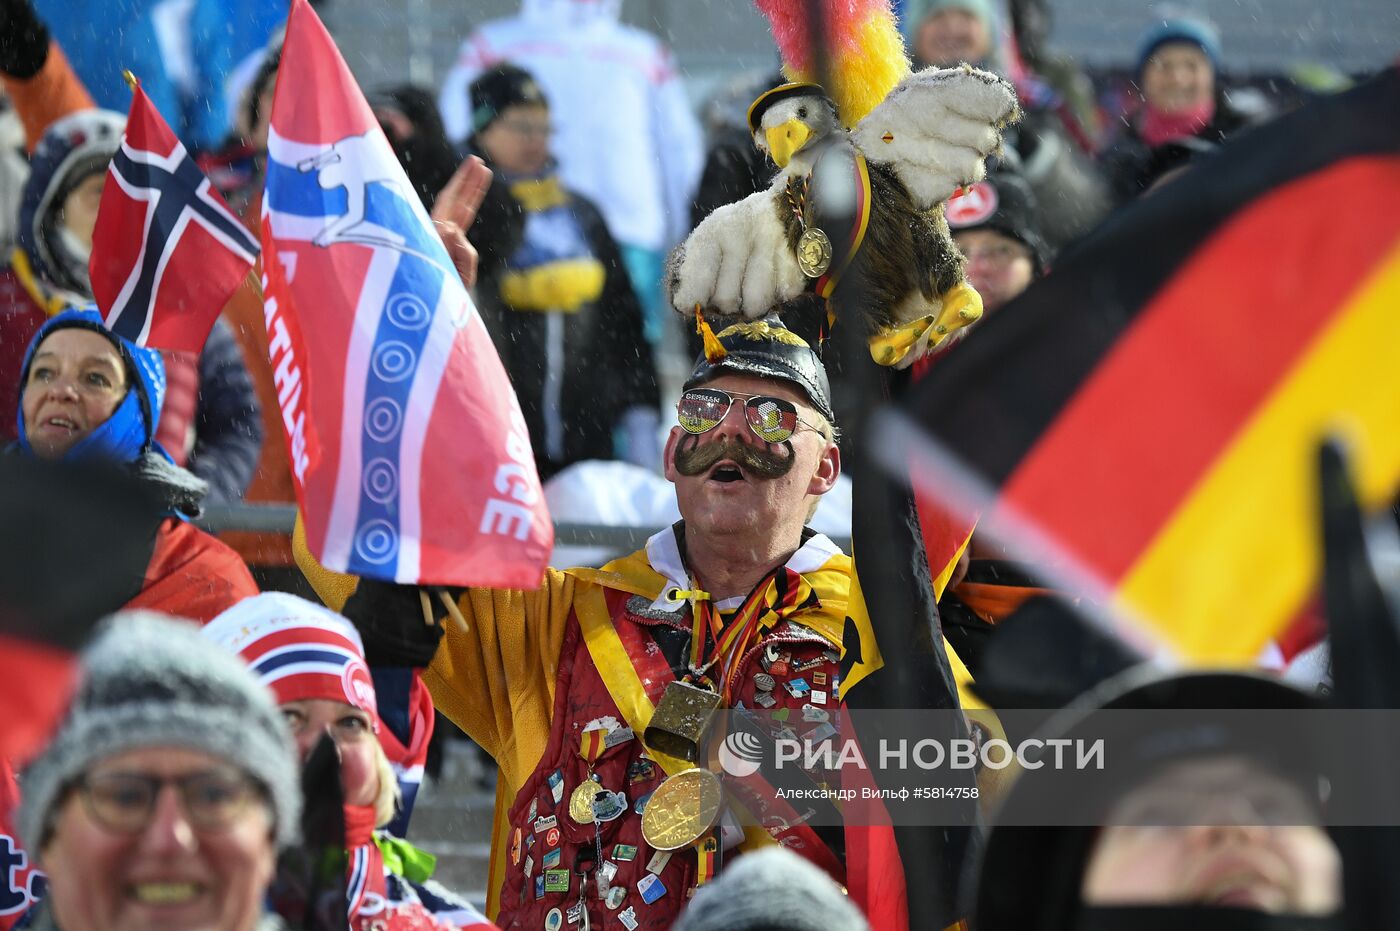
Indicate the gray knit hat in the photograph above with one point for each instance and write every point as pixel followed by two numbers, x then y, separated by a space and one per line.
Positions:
pixel 772 890
pixel 149 681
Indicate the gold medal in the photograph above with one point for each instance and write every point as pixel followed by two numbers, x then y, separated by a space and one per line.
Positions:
pixel 581 801
pixel 682 809
pixel 813 252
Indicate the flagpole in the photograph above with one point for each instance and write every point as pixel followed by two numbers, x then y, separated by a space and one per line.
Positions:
pixel 903 614
pixel 1364 635
pixel 130 79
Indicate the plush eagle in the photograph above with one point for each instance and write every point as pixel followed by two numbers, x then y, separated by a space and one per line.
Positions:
pixel 864 204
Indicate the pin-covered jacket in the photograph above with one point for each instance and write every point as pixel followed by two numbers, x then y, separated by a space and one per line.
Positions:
pixel 559 686
pixel 533 675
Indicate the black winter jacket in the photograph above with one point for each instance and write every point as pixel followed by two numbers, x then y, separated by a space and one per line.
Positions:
pixel 575 373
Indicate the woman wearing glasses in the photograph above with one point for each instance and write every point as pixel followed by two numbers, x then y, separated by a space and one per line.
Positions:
pixel 163 799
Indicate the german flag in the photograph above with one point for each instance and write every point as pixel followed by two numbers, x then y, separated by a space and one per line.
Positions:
pixel 1153 407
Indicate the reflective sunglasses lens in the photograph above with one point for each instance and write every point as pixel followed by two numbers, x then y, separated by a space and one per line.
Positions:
pixel 699 411
pixel 772 419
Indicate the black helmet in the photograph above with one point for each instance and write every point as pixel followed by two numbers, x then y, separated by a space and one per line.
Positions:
pixel 768 349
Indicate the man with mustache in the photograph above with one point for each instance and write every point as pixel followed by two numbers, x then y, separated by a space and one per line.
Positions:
pixel 593 692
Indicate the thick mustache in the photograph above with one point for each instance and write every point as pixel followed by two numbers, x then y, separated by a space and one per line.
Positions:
pixel 696 458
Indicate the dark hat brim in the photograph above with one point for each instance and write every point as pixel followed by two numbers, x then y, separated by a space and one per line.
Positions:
pixel 768 350
pixel 706 371
pixel 781 92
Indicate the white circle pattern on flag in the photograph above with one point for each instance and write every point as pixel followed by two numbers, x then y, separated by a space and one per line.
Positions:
pixel 377 542
pixel 394 361
pixel 383 419
pixel 407 311
pixel 381 480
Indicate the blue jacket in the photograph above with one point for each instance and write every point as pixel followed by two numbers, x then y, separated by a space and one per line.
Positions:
pixel 182 61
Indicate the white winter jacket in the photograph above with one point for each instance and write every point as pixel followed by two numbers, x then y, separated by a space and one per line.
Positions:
pixel 626 137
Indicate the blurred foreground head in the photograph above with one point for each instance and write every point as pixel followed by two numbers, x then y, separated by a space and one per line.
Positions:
pixel 163 798
pixel 1199 826
pixel 772 890
pixel 59 516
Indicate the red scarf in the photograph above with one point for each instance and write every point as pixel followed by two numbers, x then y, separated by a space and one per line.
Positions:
pixel 359 825
pixel 1157 127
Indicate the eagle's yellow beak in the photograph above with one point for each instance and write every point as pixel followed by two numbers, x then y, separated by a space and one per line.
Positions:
pixel 787 140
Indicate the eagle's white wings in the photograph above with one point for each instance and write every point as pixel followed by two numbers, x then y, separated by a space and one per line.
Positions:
pixel 737 260
pixel 936 128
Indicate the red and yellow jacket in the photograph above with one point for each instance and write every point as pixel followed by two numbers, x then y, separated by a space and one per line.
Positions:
pixel 530 671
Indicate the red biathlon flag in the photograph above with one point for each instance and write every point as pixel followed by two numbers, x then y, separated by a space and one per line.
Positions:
pixel 165 286
pixel 410 454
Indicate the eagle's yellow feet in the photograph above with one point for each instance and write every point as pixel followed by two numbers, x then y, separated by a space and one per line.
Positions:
pixel 898 346
pixel 962 305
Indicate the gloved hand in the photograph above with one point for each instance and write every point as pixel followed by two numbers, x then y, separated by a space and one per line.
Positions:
pixel 24 39
pixel 392 624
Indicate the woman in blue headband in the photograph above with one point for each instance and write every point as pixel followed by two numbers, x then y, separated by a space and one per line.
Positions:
pixel 86 393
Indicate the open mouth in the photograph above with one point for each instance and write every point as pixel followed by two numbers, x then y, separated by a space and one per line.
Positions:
pixel 62 423
pixel 726 472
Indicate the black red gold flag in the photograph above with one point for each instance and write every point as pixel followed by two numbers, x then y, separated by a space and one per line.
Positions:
pixel 1148 414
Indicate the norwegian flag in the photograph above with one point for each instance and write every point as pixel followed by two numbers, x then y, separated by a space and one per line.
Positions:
pixel 165 286
pixel 411 458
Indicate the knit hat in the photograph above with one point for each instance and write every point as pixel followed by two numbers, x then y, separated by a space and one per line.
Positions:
pixel 298 649
pixel 916 11
pixel 1002 202
pixel 1197 32
pixel 501 87
pixel 771 890
pixel 150 681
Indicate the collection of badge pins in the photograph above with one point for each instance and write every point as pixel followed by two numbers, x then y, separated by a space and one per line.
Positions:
pixel 592 803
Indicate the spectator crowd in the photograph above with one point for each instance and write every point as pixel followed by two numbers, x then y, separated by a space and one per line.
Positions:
pixel 250 730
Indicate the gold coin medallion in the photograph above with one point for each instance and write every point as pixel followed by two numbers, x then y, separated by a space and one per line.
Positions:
pixel 682 809
pixel 813 253
pixel 581 801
